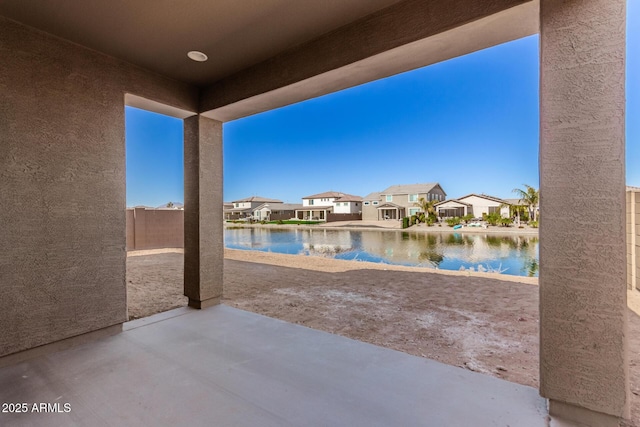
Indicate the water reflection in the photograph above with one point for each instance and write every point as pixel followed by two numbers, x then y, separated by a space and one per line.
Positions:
pixel 509 254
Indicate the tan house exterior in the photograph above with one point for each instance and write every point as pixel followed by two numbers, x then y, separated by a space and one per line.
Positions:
pixel 473 204
pixel 398 201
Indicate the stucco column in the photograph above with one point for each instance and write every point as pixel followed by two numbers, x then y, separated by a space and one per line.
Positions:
pixel 583 324
pixel 203 233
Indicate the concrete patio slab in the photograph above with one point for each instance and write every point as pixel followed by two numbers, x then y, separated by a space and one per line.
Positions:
pixel 227 367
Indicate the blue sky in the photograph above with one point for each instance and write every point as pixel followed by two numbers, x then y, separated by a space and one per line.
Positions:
pixel 470 123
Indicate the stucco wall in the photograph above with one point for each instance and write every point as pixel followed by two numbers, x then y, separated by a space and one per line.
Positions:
pixel 480 206
pixel 131 236
pixel 62 182
pixel 583 313
pixel 369 212
pixel 155 228
pixel 332 217
pixel 633 239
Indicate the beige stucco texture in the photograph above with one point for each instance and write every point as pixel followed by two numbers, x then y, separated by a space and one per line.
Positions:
pixel 633 238
pixel 204 240
pixel 582 256
pixel 62 175
pixel 155 228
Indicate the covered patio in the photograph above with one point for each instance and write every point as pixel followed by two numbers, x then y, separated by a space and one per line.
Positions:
pixel 315 213
pixel 453 208
pixel 227 367
pixel 65 79
pixel 390 211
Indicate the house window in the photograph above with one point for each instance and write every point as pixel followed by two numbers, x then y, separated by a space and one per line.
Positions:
pixel 413 211
pixel 365 203
pixel 413 197
pixel 237 205
pixel 311 202
pixel 389 198
pixel 494 209
pixel 375 203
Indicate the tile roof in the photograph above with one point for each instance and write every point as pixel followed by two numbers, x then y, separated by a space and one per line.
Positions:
pixel 515 202
pixel 483 196
pixel 334 194
pixel 349 198
pixel 280 206
pixel 390 205
pixel 372 196
pixel 410 188
pixel 451 200
pixel 257 199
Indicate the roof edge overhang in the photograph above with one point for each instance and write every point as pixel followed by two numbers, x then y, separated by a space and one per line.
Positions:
pixel 265 87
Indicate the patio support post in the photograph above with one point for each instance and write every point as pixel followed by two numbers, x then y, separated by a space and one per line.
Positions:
pixel 203 229
pixel 583 314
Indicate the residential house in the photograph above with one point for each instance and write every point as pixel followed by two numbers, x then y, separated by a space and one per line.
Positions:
pixel 520 203
pixel 472 204
pixel 399 201
pixel 243 208
pixel 275 211
pixel 319 206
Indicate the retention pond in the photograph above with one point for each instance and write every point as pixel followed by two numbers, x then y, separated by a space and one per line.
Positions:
pixel 507 254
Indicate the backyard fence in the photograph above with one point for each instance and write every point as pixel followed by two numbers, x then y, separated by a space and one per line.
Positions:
pixel 333 217
pixel 154 228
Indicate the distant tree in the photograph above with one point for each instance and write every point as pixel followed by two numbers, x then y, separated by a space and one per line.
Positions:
pixel 531 197
pixel 170 205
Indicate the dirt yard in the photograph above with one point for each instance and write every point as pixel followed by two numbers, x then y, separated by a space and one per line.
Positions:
pixel 479 323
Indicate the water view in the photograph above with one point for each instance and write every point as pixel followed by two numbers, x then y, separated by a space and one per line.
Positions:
pixel 506 254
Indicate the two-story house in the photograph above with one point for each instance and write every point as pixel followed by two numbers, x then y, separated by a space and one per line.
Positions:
pixel 318 206
pixel 243 208
pixel 399 201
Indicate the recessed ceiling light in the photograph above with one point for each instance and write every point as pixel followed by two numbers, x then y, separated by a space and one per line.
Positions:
pixel 197 56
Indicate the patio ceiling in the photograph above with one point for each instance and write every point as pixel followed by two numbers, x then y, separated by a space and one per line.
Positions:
pixel 157 35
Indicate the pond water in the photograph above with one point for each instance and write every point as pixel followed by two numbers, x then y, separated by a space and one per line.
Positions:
pixel 507 254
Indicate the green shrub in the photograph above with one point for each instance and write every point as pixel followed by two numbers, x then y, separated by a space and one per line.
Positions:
pixel 451 222
pixel 405 222
pixel 505 222
pixel 533 224
pixel 493 218
pixel 467 217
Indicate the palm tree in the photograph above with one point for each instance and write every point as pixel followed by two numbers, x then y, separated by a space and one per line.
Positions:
pixel 530 196
pixel 426 206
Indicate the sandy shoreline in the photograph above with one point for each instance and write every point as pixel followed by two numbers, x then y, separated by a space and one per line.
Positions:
pixel 477 321
pixel 391 226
